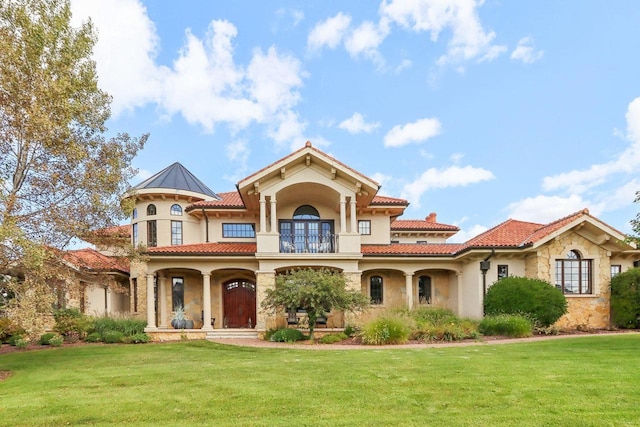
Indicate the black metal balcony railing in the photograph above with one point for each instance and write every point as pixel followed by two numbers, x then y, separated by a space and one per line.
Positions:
pixel 314 244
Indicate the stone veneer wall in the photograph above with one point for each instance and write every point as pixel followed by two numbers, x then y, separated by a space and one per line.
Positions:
pixel 584 311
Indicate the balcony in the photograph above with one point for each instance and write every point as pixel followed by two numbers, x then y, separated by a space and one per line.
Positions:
pixel 308 243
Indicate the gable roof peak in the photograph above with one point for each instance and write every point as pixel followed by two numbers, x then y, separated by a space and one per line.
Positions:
pixel 176 177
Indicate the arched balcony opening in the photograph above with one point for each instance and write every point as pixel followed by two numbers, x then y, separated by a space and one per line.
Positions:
pixel 306 232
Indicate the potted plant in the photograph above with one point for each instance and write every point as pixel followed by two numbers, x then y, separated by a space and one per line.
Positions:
pixel 179 321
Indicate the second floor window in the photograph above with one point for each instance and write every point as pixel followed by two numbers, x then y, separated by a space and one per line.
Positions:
pixel 176 232
pixel 134 234
pixel 152 234
pixel 176 210
pixel 364 227
pixel 151 210
pixel 238 230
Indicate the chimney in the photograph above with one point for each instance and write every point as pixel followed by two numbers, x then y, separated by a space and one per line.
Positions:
pixel 431 217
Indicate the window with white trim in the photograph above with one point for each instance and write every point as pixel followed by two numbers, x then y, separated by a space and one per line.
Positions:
pixel 364 227
pixel 238 230
pixel 176 232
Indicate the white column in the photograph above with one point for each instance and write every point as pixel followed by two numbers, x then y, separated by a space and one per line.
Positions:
pixel 206 301
pixel 343 214
pixel 354 226
pixel 274 216
pixel 151 310
pixel 263 215
pixel 162 303
pixel 409 289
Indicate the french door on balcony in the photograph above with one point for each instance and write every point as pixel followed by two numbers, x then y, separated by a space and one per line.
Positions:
pixel 307 233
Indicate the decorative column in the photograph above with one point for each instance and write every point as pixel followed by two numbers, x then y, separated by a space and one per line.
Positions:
pixel 206 302
pixel 263 214
pixel 408 277
pixel 354 224
pixel 264 280
pixel 151 310
pixel 162 303
pixel 274 216
pixel 343 214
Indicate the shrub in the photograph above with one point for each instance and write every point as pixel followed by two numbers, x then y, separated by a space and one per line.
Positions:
pixel 13 338
pixel 21 343
pixel 44 338
pixel 386 330
pixel 9 329
pixel 113 337
pixel 127 326
pixel 287 335
pixel 625 299
pixel 536 298
pixel 56 340
pixel 71 324
pixel 93 337
pixel 350 331
pixel 434 316
pixel 140 338
pixel 333 338
pixel 506 324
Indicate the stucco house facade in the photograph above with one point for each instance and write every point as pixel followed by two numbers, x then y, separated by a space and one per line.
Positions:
pixel 216 253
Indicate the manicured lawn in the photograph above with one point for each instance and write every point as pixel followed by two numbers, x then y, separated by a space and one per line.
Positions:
pixel 592 381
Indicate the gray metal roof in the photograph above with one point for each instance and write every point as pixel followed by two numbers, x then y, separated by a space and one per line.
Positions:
pixel 176 177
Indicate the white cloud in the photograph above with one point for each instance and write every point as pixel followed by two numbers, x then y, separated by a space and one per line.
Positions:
pixel 406 63
pixel 125 51
pixel 469 39
pixel 418 131
pixel 525 51
pixel 543 209
pixel 141 176
pixel 453 176
pixel 204 84
pixel 381 178
pixel 364 41
pixel 628 162
pixel 329 33
pixel 467 233
pixel 357 124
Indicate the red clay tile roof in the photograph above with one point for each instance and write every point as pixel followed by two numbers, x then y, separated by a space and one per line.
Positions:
pixel 205 249
pixel 412 249
pixel 519 233
pixel 385 200
pixel 90 259
pixel 228 200
pixel 421 224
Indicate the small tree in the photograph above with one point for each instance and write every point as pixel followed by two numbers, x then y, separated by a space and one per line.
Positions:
pixel 521 295
pixel 625 299
pixel 315 291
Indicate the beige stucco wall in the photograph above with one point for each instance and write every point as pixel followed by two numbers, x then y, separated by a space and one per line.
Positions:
pixel 191 227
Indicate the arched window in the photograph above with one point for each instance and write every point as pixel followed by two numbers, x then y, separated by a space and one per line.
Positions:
pixel 151 209
pixel 376 290
pixel 306 212
pixel 176 210
pixel 573 274
pixel 306 232
pixel 424 290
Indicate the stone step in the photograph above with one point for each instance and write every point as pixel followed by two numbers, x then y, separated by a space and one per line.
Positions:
pixel 218 334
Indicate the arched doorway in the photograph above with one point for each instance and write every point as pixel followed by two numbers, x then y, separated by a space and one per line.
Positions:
pixel 239 304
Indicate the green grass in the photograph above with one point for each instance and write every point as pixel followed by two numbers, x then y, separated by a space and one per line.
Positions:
pixel 589 381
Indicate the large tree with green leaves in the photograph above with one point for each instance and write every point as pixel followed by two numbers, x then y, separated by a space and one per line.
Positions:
pixel 60 176
pixel 635 223
pixel 316 291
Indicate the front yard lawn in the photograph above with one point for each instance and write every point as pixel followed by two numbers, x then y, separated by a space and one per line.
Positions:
pixel 590 381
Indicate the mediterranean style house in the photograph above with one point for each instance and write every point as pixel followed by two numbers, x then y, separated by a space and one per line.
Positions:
pixel 215 253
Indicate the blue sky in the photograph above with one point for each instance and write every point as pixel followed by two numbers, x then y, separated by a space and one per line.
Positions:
pixel 478 111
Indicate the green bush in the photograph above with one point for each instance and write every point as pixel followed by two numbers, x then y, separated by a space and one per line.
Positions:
pixel 625 299
pixel 56 341
pixel 434 316
pixel 93 337
pixel 113 337
pixel 21 343
pixel 386 330
pixel 509 325
pixel 287 335
pixel 333 338
pixel 540 300
pixel 9 329
pixel 350 331
pixel 127 326
pixel 13 338
pixel 71 324
pixel 140 338
pixel 44 338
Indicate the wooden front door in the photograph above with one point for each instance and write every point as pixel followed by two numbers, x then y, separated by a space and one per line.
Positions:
pixel 239 304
